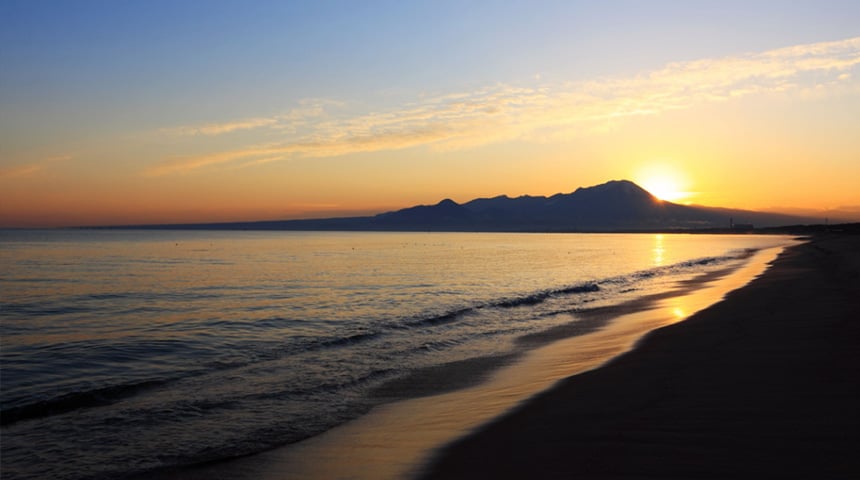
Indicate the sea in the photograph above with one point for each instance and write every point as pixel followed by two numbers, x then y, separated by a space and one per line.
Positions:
pixel 131 351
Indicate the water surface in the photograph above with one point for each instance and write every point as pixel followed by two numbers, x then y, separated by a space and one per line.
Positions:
pixel 125 351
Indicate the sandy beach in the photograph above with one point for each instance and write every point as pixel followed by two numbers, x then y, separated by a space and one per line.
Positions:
pixel 761 385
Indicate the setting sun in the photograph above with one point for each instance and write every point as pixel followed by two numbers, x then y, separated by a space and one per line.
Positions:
pixel 664 189
pixel 664 183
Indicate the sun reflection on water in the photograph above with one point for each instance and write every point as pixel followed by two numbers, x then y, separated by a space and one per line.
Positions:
pixel 658 250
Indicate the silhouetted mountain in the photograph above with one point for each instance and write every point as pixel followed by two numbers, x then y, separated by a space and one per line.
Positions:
pixel 618 205
pixel 446 213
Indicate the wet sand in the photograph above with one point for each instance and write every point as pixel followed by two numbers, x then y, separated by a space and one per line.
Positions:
pixel 395 440
pixel 765 384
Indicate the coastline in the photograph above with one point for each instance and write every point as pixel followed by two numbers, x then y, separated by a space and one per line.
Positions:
pixel 394 440
pixel 760 385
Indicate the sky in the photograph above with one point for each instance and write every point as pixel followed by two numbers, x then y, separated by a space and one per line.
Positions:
pixel 121 112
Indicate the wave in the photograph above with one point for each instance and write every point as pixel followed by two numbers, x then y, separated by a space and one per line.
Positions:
pixel 540 297
pixel 39 309
pixel 443 318
pixel 100 303
pixel 531 299
pixel 74 401
pixel 350 340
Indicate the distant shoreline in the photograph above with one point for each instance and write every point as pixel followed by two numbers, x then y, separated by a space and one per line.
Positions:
pixel 811 229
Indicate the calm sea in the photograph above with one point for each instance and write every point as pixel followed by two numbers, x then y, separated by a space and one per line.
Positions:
pixel 127 351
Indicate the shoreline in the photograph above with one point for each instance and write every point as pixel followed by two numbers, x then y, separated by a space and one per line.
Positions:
pixel 395 439
pixel 762 384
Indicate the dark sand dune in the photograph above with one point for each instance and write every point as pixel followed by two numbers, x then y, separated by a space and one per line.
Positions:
pixel 765 384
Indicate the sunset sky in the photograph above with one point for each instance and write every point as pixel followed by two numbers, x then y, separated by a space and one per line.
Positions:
pixel 184 111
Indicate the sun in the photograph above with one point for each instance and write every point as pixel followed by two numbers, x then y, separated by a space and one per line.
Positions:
pixel 663 188
pixel 663 183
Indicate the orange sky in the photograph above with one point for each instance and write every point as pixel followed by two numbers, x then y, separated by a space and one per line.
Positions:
pixel 769 126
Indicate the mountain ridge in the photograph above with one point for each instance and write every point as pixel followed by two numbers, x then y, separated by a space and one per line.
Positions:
pixel 617 205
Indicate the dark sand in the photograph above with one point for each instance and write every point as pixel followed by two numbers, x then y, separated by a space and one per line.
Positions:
pixel 765 384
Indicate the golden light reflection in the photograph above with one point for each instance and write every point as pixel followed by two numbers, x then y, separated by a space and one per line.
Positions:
pixel 659 250
pixel 680 307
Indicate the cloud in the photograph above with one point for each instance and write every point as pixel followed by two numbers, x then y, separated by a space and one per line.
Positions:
pixel 21 171
pixel 185 164
pixel 538 111
pixel 309 108
pixel 30 169
pixel 227 127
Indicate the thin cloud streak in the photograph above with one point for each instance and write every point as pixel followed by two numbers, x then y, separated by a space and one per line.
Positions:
pixel 222 128
pixel 308 109
pixel 21 171
pixel 27 170
pixel 505 112
pixel 185 164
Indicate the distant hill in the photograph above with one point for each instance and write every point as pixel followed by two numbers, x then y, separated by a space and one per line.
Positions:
pixel 618 205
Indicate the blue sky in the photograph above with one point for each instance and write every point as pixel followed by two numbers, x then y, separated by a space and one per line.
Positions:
pixel 206 54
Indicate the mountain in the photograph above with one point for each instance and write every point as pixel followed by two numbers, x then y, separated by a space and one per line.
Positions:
pixel 618 205
pixel 446 213
pixel 613 205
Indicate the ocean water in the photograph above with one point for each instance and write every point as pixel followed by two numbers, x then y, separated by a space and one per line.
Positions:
pixel 129 351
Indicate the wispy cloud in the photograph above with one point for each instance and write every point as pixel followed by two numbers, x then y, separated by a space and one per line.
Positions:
pixel 26 170
pixel 185 164
pixel 308 109
pixel 225 127
pixel 20 171
pixel 502 111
